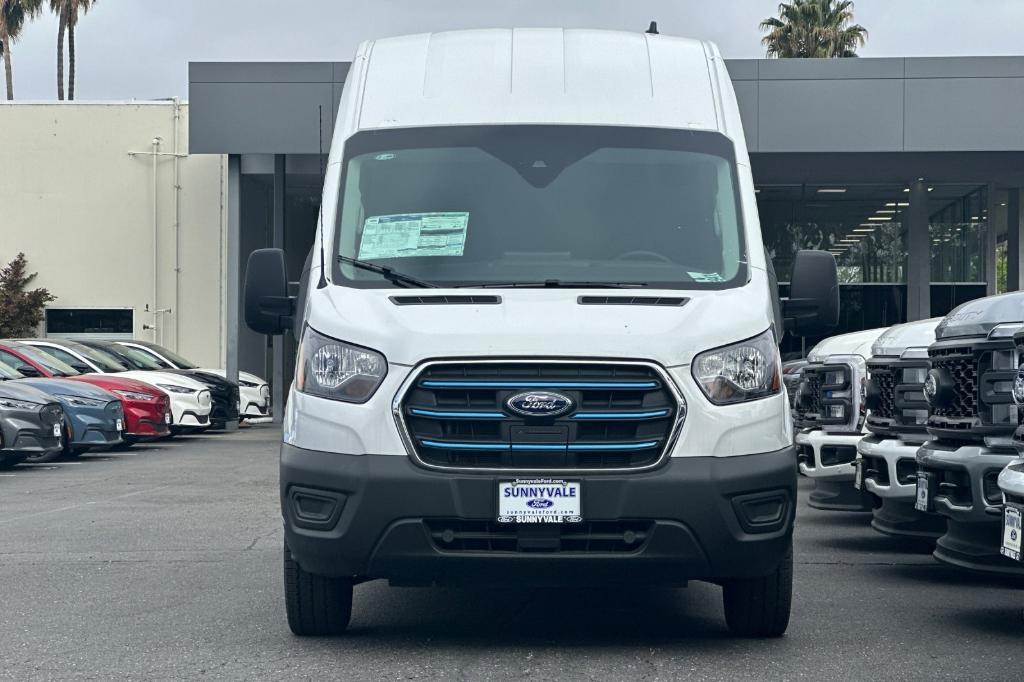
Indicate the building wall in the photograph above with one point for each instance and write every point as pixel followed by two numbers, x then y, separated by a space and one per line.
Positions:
pixel 81 207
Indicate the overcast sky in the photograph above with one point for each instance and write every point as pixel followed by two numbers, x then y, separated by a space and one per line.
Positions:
pixel 138 49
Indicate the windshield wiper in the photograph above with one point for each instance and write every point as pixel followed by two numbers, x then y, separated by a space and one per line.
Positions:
pixel 553 284
pixel 388 273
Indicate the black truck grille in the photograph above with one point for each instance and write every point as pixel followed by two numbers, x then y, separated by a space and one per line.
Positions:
pixel 980 376
pixel 896 401
pixel 622 415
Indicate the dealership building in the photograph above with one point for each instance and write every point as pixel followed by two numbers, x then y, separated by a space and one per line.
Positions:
pixel 909 169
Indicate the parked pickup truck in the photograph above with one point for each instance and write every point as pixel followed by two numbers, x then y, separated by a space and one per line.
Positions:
pixel 829 413
pixel 971 421
pixel 896 420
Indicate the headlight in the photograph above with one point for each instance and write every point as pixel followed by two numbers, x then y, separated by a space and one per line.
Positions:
pixel 247 384
pixel 12 404
pixel 173 388
pixel 336 370
pixel 133 395
pixel 744 371
pixel 84 402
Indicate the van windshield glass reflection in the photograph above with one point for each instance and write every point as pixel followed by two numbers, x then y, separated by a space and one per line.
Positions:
pixel 507 205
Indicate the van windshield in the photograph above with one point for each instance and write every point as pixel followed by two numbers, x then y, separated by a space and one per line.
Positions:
pixel 540 205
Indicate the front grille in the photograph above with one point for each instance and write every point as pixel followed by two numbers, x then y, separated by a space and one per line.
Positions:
pixel 980 376
pixel 896 393
pixel 623 415
pixel 596 537
pixel 114 410
pixel 51 414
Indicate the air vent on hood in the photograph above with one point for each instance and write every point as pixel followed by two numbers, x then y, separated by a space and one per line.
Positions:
pixel 632 300
pixel 446 300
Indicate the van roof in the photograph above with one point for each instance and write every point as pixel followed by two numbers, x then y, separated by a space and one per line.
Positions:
pixel 544 76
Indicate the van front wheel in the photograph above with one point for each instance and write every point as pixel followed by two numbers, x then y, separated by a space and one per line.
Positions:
pixel 759 607
pixel 316 605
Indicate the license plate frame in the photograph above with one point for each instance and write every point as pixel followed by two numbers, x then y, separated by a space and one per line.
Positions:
pixel 57 431
pixel 546 500
pixel 119 425
pixel 1011 546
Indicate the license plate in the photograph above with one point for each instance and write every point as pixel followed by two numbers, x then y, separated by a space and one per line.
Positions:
pixel 858 476
pixel 167 418
pixel 120 425
pixel 539 500
pixel 1011 532
pixel 921 502
pixel 56 430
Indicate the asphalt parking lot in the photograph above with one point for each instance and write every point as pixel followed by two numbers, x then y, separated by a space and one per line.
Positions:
pixel 164 561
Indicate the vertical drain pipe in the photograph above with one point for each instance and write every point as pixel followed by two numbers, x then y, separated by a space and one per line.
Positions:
pixel 156 308
pixel 177 226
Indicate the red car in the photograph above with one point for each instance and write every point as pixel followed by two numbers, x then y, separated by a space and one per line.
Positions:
pixel 147 410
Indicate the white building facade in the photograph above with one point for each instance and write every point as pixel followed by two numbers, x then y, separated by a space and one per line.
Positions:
pixel 122 225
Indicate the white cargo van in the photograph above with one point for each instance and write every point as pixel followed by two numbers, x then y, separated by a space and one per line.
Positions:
pixel 538 331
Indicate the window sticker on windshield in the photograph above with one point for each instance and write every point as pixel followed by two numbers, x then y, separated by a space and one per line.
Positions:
pixel 413 234
pixel 705 276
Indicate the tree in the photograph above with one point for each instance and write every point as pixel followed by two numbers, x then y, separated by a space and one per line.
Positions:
pixel 13 15
pixel 21 311
pixel 813 28
pixel 68 12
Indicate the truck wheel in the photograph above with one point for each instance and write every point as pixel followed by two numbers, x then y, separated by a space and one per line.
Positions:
pixel 759 607
pixel 316 605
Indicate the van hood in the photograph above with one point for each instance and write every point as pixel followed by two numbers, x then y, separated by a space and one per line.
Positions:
pixel 854 343
pixel 541 322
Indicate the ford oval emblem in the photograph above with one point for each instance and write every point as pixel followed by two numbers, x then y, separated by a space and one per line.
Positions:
pixel 539 404
pixel 540 503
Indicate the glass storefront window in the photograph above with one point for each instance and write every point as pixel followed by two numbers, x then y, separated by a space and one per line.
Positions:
pixel 861 224
pixel 958 229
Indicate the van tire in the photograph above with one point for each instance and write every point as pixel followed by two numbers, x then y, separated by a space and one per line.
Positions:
pixel 759 607
pixel 317 606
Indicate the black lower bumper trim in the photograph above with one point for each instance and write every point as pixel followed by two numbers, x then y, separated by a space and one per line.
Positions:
pixel 700 518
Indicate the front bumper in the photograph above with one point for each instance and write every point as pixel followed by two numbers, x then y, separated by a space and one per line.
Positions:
pixel 22 432
pixel 382 516
pixel 95 426
pixel 959 477
pixel 827 456
pixel 895 462
pixel 191 409
pixel 254 401
pixel 889 468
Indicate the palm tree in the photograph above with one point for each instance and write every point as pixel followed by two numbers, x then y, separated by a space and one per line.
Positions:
pixel 813 28
pixel 13 15
pixel 67 12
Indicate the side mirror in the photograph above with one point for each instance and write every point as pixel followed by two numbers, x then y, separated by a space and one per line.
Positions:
pixel 813 304
pixel 268 308
pixel 27 370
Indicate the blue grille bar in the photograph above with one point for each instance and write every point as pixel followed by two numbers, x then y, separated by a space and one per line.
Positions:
pixel 653 414
pixel 574 447
pixel 456 415
pixel 434 383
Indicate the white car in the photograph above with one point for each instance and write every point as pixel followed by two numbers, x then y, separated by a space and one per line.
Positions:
pixel 253 392
pixel 190 400
pixel 829 410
